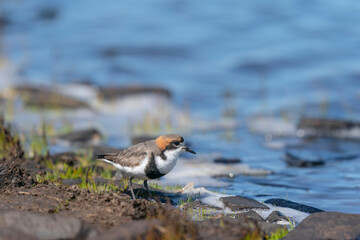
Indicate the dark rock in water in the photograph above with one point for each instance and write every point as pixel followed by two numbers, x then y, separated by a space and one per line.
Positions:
pixel 120 69
pixel 238 203
pixel 87 136
pixel 276 216
pixel 249 214
pixel 4 20
pixel 69 158
pixel 111 93
pixel 46 226
pixel 48 13
pixel 295 161
pixel 227 160
pixel 141 138
pixel 327 225
pixel 146 51
pixel 289 204
pixel 326 124
pixel 325 127
pixel 134 230
pixel 45 98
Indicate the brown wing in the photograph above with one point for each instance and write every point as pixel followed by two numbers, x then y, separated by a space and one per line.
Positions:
pixel 130 157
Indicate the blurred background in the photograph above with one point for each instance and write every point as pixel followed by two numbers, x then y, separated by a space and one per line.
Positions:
pixel 272 84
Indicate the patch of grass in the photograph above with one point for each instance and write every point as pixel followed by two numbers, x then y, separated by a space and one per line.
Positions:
pixel 36 142
pixel 187 200
pixel 48 177
pixel 173 188
pixel 169 188
pixel 204 213
pixel 85 157
pixel 280 233
pixel 60 171
pixel 64 171
pixel 255 235
pixel 106 173
pixel 9 142
pixel 98 188
pixel 292 223
pixel 155 185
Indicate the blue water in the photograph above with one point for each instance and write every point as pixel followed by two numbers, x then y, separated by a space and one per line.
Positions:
pixel 278 58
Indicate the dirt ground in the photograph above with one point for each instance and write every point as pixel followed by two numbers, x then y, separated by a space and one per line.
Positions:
pixel 103 209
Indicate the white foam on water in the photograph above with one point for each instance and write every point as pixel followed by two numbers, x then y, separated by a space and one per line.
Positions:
pixel 352 133
pixel 202 171
pixel 213 199
pixel 206 196
pixel 292 214
pixel 276 145
pixel 79 91
pixel 272 125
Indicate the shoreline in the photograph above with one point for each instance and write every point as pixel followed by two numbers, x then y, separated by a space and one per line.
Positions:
pixel 30 192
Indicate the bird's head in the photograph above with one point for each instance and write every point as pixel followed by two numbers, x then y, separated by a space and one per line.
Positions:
pixel 172 142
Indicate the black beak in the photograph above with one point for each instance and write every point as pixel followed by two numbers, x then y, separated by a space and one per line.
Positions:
pixel 189 150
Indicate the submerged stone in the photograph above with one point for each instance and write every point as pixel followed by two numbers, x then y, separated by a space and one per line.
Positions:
pixel 113 92
pixel 249 214
pixel 318 127
pixel 279 202
pixel 227 160
pixel 296 161
pixel 276 216
pixel 326 125
pixel 47 98
pixel 236 203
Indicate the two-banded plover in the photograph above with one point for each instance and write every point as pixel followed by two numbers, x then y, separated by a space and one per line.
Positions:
pixel 148 160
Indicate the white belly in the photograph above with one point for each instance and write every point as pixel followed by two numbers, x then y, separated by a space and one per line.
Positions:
pixel 136 172
pixel 165 166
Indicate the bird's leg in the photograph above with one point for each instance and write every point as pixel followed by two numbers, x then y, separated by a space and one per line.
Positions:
pixel 147 187
pixel 131 189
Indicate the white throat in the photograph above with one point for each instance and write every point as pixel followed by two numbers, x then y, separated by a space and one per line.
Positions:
pixel 165 166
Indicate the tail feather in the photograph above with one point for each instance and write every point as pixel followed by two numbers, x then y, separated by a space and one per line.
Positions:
pixel 105 155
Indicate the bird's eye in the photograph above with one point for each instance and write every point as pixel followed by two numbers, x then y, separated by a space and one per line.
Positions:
pixel 176 143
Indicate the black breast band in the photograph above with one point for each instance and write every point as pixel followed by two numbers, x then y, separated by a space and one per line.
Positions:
pixel 151 170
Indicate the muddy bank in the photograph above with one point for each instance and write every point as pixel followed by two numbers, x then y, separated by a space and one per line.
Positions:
pixel 35 210
pixel 108 212
pixel 105 209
